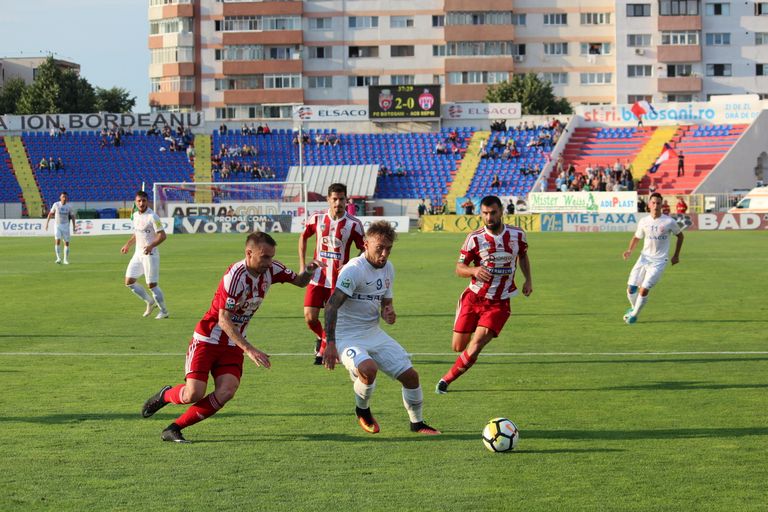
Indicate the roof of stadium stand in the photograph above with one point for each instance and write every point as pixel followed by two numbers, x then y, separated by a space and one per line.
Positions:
pixel 359 179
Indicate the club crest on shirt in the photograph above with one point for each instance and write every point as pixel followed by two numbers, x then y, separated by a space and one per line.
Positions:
pixel 229 305
pixel 331 241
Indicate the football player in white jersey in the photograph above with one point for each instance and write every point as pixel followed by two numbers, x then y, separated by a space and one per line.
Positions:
pixel 655 231
pixel 363 292
pixel 63 213
pixel 148 233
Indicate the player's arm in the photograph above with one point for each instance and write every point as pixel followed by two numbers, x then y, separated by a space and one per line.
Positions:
pixel 388 311
pixel 525 268
pixel 302 252
pixel 124 249
pixel 73 217
pixel 302 279
pixel 679 245
pixel 160 237
pixel 229 327
pixel 48 219
pixel 632 245
pixel 330 356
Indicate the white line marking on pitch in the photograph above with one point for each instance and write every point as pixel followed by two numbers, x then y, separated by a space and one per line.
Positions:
pixel 445 354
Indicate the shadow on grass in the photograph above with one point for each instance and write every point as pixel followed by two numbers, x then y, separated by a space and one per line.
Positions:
pixel 518 360
pixel 166 415
pixel 656 386
pixel 662 433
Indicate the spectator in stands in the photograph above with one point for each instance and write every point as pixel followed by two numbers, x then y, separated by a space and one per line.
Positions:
pixel 469 207
pixel 495 182
pixel 681 207
pixel 642 207
pixel 266 130
pixel 422 208
pixel 680 164
pixel 191 153
pixel 453 136
pixel 617 167
pixel 333 139
pixel 43 165
pixel 320 139
pixel 59 164
pixel 51 163
pixel 440 148
pixel 511 207
pixel 652 187
pixel 665 208
pixel 400 169
pixel 483 144
pixel 222 129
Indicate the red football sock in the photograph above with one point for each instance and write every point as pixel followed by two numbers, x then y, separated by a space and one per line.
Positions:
pixel 204 408
pixel 317 328
pixel 463 363
pixel 173 395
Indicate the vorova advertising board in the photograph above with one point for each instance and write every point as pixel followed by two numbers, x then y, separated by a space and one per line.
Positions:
pixel 233 224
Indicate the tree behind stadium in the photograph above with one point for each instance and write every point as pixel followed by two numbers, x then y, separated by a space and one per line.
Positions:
pixel 534 95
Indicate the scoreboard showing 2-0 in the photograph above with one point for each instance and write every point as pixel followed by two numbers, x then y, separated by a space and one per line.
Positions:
pixel 403 101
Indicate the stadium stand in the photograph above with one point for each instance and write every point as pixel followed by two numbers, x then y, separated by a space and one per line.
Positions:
pixel 10 191
pixel 94 173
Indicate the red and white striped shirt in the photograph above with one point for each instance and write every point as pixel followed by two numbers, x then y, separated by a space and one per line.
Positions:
pixel 498 254
pixel 241 294
pixel 333 245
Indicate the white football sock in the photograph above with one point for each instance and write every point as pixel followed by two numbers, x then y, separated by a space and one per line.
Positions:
pixel 157 293
pixel 140 291
pixel 639 303
pixel 412 400
pixel 632 296
pixel 58 253
pixel 363 393
pixel 66 252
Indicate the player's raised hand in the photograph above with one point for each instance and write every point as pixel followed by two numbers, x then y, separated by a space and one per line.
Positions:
pixel 388 314
pixel 258 357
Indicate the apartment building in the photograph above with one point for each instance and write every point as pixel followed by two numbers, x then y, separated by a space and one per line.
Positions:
pixel 244 59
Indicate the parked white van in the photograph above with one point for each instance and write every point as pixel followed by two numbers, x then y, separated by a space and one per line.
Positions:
pixel 756 201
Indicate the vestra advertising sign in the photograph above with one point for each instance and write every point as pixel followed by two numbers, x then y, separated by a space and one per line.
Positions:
pixel 83 227
pixel 487 111
pixel 330 113
pixel 582 202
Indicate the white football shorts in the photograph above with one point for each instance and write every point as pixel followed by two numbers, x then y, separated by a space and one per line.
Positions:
pixel 646 272
pixel 390 357
pixel 62 232
pixel 146 265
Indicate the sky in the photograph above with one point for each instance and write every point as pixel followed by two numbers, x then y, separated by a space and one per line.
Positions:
pixel 108 38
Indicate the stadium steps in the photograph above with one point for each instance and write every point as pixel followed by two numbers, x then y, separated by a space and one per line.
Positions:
pixel 466 171
pixel 651 151
pixel 30 190
pixel 203 173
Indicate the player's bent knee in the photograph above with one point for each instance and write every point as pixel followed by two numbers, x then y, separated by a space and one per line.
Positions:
pixel 409 378
pixel 129 281
pixel 367 371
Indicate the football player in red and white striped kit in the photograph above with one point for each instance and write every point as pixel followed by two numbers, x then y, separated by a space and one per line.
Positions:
pixel 335 231
pixel 219 340
pixel 489 256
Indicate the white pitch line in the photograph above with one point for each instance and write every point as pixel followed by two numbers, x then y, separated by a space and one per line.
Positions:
pixel 442 354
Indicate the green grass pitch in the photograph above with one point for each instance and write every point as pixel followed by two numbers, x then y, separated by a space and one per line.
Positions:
pixel 667 414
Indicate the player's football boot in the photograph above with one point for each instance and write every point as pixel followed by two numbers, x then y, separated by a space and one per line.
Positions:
pixel 442 387
pixel 65 262
pixel 630 319
pixel 154 403
pixel 366 420
pixel 318 355
pixel 422 428
pixel 58 261
pixel 173 434
pixel 150 307
pixel 162 314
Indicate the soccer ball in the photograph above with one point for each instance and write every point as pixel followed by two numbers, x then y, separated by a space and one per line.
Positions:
pixel 500 435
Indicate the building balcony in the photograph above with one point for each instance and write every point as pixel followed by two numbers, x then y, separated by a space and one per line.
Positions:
pixel 267 37
pixel 679 23
pixel 680 84
pixel 293 8
pixel 172 98
pixel 479 33
pixel 260 67
pixel 479 5
pixel 678 53
pixel 262 96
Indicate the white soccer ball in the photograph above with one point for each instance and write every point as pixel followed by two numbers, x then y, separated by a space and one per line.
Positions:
pixel 500 435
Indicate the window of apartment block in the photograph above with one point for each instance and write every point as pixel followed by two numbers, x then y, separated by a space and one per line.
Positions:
pixel 718 38
pixel 320 82
pixel 401 51
pixel 479 18
pixel 595 78
pixel 320 52
pixel 761 70
pixel 595 48
pixel 258 23
pixel 595 18
pixel 690 37
pixel 282 52
pixel 555 48
pixel 363 81
pixel 679 7
pixel 400 21
pixel 638 10
pixel 273 111
pixel 638 40
pixel 240 52
pixel 402 80
pixel 717 9
pixel 286 81
pixel 555 78
pixel 761 8
pixel 761 37
pixel 170 26
pixel 438 20
pixel 674 70
pixel 225 112
pixel 171 55
pixel 482 48
pixel 239 83
pixel 632 98
pixel 438 79
pixel 718 70
pixel 639 70
pixel 680 98
pixel 519 19
pixel 556 18
pixel 477 77
pixel 438 50
pixel 363 51
pixel 320 23
pixel 363 21
pixel 519 49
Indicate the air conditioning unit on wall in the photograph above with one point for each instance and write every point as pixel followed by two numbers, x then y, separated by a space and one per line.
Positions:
pixel 639 51
pixel 519 58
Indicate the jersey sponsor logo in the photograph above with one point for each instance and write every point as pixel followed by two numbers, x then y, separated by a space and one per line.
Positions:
pixel 500 271
pixel 500 258
pixel 332 241
pixel 346 283
pixel 362 296
pixel 330 255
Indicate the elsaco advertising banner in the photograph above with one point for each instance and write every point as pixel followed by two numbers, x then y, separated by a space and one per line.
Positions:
pixel 468 223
